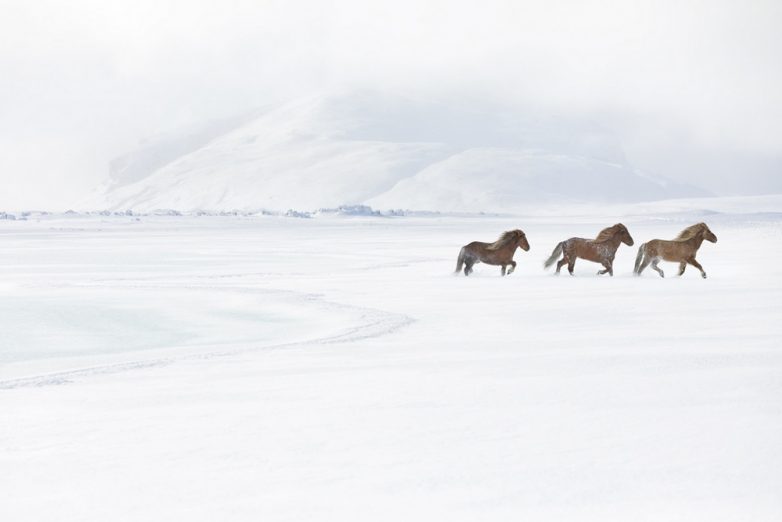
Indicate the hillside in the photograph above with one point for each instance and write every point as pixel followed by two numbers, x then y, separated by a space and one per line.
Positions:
pixel 388 152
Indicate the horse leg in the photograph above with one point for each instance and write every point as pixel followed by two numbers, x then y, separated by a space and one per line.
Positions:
pixel 468 266
pixel 682 266
pixel 657 268
pixel 697 265
pixel 607 270
pixel 644 264
pixel 561 263
pixel 512 267
pixel 571 264
pixel 503 270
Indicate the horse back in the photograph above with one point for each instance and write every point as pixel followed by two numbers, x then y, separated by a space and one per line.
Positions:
pixel 480 251
pixel 587 249
pixel 669 250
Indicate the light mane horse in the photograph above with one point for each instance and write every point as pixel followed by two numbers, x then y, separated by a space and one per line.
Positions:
pixel 601 250
pixel 499 253
pixel 681 249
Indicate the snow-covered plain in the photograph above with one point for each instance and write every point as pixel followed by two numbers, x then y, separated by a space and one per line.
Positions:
pixel 270 368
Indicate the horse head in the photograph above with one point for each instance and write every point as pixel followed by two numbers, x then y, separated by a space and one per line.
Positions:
pixel 521 240
pixel 624 234
pixel 708 235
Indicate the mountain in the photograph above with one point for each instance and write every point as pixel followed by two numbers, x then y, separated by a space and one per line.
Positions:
pixel 388 152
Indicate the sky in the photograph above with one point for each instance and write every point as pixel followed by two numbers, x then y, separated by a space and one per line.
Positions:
pixel 692 89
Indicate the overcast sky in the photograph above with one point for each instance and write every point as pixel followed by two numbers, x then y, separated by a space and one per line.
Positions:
pixel 693 89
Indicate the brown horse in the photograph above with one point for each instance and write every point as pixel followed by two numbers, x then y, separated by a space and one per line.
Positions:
pixel 600 250
pixel 498 253
pixel 680 250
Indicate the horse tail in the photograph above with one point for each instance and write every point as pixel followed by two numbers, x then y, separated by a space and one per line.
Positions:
pixel 459 261
pixel 554 255
pixel 639 258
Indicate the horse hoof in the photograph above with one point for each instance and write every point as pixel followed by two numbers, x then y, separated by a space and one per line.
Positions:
pixel 703 275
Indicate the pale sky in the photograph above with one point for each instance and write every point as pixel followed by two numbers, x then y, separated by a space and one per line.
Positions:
pixel 693 89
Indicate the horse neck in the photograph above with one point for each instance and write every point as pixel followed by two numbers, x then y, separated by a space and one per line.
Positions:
pixel 510 247
pixel 613 242
pixel 696 240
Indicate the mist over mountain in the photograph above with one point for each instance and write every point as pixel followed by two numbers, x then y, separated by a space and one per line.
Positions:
pixel 385 151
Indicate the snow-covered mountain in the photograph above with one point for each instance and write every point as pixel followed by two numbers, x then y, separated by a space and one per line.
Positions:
pixel 388 152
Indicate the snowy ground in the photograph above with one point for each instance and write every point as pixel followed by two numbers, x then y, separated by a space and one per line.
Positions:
pixel 267 368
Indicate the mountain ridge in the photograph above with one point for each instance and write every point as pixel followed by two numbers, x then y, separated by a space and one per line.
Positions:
pixel 388 152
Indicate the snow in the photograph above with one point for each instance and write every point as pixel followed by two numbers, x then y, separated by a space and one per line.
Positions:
pixel 272 368
pixel 384 151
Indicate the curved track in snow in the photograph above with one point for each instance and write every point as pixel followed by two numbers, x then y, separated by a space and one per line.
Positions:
pixel 362 323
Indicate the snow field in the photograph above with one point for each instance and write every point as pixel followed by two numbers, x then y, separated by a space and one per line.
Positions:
pixel 335 369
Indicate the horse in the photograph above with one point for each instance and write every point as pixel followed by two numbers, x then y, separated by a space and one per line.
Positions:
pixel 681 249
pixel 600 250
pixel 498 253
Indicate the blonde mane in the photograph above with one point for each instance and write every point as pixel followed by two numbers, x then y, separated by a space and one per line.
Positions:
pixel 608 233
pixel 506 237
pixel 690 232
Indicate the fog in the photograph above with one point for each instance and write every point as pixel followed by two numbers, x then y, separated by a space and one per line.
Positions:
pixel 692 89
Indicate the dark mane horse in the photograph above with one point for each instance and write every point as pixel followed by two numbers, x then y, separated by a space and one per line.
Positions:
pixel 601 250
pixel 681 249
pixel 499 253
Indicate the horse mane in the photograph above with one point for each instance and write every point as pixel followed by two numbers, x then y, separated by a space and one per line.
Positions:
pixel 690 232
pixel 506 237
pixel 608 233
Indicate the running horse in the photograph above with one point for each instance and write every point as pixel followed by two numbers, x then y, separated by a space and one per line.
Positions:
pixel 601 250
pixel 499 253
pixel 681 249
